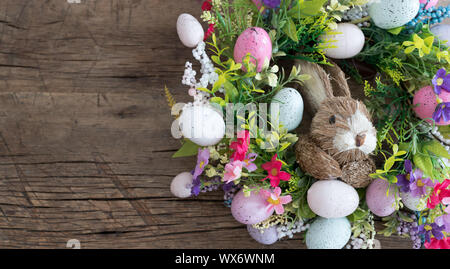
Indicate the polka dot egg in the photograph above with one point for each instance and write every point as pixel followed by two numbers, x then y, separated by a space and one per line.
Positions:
pixel 290 104
pixel 251 209
pixel 377 199
pixel 388 14
pixel 411 202
pixel 255 41
pixel 266 236
pixel 328 233
pixel 425 103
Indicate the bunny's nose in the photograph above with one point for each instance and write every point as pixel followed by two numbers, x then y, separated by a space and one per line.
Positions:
pixel 360 138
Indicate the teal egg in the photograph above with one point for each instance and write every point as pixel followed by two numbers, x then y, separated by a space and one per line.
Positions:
pixel 328 233
pixel 389 14
pixel 291 107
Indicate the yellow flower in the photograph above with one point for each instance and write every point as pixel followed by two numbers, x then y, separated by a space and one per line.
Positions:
pixel 443 54
pixel 422 45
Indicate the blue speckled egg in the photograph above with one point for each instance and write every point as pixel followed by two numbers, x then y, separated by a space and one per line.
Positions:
pixel 291 107
pixel 388 14
pixel 442 31
pixel 266 236
pixel 328 233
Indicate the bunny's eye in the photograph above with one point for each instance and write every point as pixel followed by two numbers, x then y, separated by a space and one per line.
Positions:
pixel 332 119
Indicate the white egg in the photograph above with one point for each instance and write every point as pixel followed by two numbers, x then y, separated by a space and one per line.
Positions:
pixel 181 185
pixel 189 30
pixel 389 14
pixel 328 233
pixel 332 198
pixel 202 125
pixel 411 202
pixel 442 31
pixel 346 43
pixel 290 104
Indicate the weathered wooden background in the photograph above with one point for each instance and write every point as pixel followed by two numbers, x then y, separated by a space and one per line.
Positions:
pixel 85 144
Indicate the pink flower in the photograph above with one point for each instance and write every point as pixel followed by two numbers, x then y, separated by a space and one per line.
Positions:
pixel 431 3
pixel 248 162
pixel 240 146
pixel 206 6
pixel 438 244
pixel 210 31
pixel 275 200
pixel 233 171
pixel 273 168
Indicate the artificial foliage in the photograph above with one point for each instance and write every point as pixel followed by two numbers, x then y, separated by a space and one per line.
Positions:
pixel 411 152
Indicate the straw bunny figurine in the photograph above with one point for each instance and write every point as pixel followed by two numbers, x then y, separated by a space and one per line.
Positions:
pixel 342 135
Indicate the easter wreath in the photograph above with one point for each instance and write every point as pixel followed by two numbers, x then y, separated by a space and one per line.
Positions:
pixel 384 157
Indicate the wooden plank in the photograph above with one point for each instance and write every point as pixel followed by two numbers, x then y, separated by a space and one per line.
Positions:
pixel 85 144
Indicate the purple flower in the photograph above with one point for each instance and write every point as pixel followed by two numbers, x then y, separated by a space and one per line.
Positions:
pixel 441 81
pixel 418 186
pixel 403 179
pixel 248 162
pixel 271 3
pixel 442 112
pixel 202 161
pixel 444 220
pixel 431 229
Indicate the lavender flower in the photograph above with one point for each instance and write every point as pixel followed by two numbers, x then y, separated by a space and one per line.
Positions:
pixel 431 229
pixel 441 81
pixel 442 112
pixel 271 3
pixel 403 179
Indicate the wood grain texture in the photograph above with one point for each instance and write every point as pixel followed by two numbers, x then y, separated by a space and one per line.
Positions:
pixel 85 144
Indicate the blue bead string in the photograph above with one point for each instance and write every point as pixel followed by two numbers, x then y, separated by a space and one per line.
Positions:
pixel 431 16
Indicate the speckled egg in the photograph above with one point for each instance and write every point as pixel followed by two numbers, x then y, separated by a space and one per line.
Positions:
pixel 255 41
pixel 411 202
pixel 290 104
pixel 425 103
pixel 202 125
pixel 328 233
pixel 266 236
pixel 251 209
pixel 181 185
pixel 442 31
pixel 189 30
pixel 388 14
pixel 332 198
pixel 377 201
pixel 347 43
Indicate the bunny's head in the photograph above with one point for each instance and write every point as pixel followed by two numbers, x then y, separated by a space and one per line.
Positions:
pixel 343 128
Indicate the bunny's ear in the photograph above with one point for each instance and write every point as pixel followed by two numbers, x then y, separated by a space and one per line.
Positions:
pixel 338 80
pixel 316 89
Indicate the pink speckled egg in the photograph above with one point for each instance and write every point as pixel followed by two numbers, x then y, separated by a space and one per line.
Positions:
pixel 378 202
pixel 255 41
pixel 251 209
pixel 425 99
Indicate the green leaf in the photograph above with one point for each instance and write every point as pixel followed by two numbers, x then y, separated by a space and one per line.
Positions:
pixel 220 81
pixel 310 8
pixel 189 148
pixel 396 31
pixel 445 131
pixel 290 30
pixel 305 211
pixel 230 91
pixel 436 148
pixel 424 163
